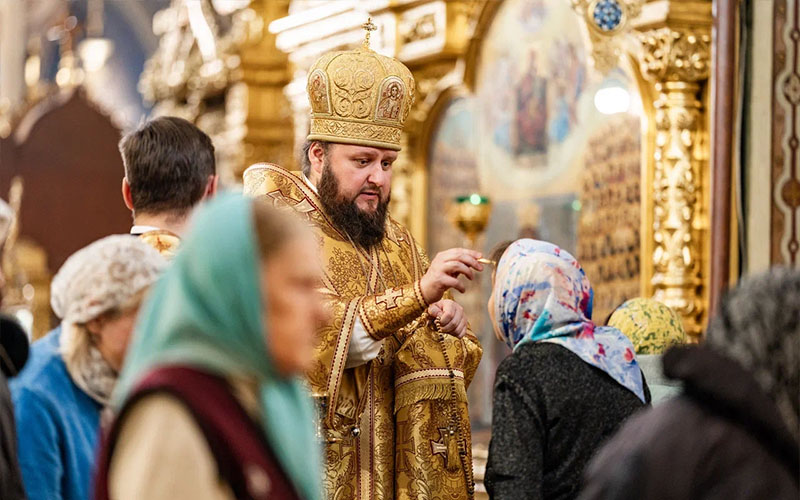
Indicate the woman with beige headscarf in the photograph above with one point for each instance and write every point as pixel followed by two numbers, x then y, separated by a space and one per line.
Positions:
pixel 68 379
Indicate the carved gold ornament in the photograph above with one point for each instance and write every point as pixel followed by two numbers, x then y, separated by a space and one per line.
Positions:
pixel 359 97
pixel 676 55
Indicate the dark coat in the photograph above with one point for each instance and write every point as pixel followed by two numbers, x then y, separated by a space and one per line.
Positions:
pixel 551 412
pixel 10 475
pixel 723 438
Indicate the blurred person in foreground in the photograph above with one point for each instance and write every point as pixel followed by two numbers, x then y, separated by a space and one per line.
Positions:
pixel 211 403
pixel 169 169
pixel 567 386
pixel 733 431
pixel 67 382
pixel 13 353
pixel 652 327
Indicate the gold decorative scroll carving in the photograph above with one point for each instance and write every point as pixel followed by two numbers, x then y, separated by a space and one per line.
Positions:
pixel 676 55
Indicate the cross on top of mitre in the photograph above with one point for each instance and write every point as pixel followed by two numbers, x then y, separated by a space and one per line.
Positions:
pixel 369 27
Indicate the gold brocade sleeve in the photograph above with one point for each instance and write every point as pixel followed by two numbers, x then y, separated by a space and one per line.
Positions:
pixel 473 354
pixel 384 314
pixel 381 315
pixel 333 339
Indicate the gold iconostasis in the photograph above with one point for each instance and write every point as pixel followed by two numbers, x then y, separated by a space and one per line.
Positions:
pixel 582 122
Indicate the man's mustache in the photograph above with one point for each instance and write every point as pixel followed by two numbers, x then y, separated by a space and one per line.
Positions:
pixel 371 190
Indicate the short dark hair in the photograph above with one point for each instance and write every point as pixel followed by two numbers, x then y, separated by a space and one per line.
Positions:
pixel 167 162
pixel 305 163
pixel 496 254
pixel 498 250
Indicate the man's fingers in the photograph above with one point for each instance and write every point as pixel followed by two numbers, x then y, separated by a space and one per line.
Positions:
pixel 447 317
pixel 454 268
pixel 468 257
pixel 462 327
pixel 471 262
pixel 458 331
pixel 434 310
pixel 449 327
pixel 451 282
pixel 456 328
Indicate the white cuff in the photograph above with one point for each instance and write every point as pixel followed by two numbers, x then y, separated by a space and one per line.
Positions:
pixel 363 348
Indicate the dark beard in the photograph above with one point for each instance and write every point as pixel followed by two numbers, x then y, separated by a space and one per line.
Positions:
pixel 366 229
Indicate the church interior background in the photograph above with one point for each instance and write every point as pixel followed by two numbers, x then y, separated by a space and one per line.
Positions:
pixel 657 140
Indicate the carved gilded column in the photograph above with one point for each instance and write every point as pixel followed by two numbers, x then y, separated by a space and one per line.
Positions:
pixel 676 61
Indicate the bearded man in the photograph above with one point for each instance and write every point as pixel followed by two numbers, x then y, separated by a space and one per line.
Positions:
pixel 393 365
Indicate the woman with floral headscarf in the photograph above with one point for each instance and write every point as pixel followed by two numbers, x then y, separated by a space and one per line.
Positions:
pixel 68 379
pixel 567 385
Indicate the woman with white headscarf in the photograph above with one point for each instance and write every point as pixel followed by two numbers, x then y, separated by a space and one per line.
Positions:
pixel 71 373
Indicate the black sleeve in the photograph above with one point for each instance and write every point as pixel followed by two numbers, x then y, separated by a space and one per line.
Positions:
pixel 514 468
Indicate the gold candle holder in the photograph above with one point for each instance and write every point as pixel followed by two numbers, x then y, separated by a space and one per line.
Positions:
pixel 470 214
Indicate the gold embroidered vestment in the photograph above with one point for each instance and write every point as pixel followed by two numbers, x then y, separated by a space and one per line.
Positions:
pixel 386 423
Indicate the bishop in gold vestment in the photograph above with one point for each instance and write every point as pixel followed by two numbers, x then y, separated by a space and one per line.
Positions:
pixel 396 426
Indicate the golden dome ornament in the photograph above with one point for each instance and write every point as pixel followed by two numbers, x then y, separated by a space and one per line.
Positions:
pixel 359 97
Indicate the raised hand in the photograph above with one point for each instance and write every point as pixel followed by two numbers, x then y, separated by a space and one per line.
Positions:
pixel 445 269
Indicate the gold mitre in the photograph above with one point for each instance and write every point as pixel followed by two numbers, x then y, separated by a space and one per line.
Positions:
pixel 359 97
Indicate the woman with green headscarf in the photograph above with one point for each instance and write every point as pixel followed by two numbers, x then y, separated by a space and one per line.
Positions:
pixel 210 401
pixel 653 328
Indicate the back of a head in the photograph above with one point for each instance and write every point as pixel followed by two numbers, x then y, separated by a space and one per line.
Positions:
pixel 758 326
pixel 275 227
pixel 168 162
pixel 13 346
pixel 651 326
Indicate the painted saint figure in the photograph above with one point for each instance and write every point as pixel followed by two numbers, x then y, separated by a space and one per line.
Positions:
pixel 391 98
